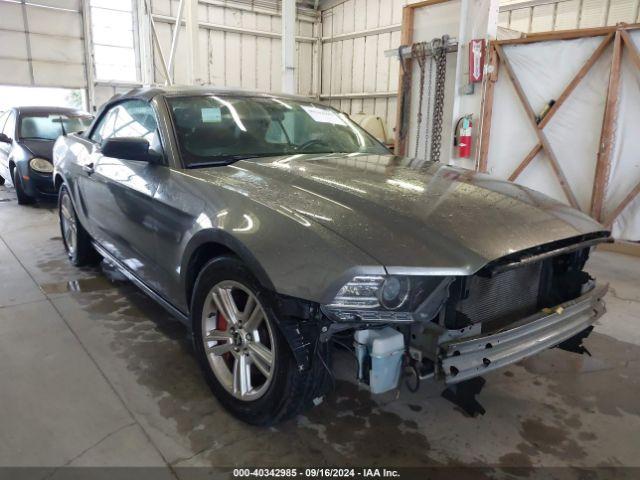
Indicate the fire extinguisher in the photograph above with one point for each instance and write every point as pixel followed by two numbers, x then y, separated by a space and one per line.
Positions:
pixel 462 138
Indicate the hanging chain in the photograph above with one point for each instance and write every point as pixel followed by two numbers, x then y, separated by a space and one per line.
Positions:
pixel 440 54
pixel 429 95
pixel 418 52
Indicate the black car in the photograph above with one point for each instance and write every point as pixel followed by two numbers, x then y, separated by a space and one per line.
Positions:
pixel 27 135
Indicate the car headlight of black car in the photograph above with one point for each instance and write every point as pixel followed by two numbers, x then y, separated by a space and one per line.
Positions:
pixel 41 165
pixel 392 298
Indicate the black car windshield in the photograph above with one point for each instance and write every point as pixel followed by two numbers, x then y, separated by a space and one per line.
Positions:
pixel 217 129
pixel 49 126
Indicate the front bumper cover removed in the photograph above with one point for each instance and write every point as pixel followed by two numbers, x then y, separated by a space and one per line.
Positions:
pixel 468 358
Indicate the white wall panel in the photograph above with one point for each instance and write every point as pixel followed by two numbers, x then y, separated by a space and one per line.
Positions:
pixel 232 58
pixel 47 44
pixel 355 71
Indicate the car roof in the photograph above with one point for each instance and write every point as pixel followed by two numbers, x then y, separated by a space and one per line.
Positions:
pixel 148 93
pixel 40 110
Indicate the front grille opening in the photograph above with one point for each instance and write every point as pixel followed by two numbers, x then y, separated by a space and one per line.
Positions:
pixel 510 295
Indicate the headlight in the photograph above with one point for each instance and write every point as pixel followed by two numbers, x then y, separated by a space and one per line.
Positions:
pixel 377 298
pixel 360 292
pixel 41 165
pixel 394 292
pixel 373 292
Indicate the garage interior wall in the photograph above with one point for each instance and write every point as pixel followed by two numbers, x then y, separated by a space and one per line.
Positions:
pixel 240 44
pixel 356 75
pixel 543 15
pixel 43 43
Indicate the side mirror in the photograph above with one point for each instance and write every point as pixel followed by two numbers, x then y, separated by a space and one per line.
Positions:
pixel 129 148
pixel 4 138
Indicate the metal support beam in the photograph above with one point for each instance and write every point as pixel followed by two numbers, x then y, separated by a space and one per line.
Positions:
pixel 174 41
pixel 88 55
pixel 156 40
pixel 193 42
pixel 289 46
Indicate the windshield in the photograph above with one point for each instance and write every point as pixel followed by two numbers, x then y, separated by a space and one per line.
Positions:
pixel 49 126
pixel 222 128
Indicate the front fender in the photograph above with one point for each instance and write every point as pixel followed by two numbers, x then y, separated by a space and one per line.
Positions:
pixel 221 237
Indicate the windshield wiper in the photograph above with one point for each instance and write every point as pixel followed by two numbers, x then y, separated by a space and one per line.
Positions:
pixel 228 159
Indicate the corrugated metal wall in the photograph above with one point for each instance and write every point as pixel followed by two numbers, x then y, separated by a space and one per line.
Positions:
pixel 356 76
pixel 239 44
pixel 42 43
pixel 544 15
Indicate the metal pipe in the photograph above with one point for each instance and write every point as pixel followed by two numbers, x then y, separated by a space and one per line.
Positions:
pixel 406 51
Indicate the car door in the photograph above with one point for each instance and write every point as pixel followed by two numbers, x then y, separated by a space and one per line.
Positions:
pixel 118 193
pixel 7 126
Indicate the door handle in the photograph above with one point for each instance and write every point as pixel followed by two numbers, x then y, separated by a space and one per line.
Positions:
pixel 88 168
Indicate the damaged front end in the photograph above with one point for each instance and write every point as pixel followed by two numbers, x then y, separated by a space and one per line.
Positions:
pixel 455 329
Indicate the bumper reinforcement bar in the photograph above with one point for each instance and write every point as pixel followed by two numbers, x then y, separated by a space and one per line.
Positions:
pixel 468 358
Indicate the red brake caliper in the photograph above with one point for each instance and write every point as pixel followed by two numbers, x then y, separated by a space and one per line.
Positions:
pixel 223 325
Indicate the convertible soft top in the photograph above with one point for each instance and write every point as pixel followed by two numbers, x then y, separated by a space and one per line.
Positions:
pixel 148 93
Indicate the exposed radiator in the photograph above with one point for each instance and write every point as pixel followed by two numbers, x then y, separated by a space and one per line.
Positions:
pixel 509 295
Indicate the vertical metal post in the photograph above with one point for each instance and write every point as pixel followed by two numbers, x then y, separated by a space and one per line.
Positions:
pixel 317 67
pixel 27 33
pixel 88 56
pixel 193 42
pixel 174 41
pixel 144 42
pixel 156 40
pixel 289 46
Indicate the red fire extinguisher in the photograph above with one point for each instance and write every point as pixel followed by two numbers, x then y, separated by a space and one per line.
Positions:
pixel 462 139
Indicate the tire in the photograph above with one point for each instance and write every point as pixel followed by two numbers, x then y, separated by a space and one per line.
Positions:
pixel 76 240
pixel 1 180
pixel 288 389
pixel 23 198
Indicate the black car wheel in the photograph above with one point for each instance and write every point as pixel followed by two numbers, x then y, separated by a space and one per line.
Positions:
pixel 23 198
pixel 245 358
pixel 77 241
pixel 1 180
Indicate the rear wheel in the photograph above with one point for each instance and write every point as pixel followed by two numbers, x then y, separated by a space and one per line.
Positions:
pixel 244 356
pixel 77 241
pixel 23 198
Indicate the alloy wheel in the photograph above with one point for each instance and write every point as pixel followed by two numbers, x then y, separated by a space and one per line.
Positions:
pixel 238 340
pixel 69 225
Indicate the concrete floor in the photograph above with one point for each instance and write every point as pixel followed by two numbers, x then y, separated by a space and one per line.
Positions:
pixel 93 373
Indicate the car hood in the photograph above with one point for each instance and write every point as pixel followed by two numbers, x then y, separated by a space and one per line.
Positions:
pixel 39 148
pixel 408 214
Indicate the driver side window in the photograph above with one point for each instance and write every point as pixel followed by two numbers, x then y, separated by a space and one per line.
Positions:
pixel 132 118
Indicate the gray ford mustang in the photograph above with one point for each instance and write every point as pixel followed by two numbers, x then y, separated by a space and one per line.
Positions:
pixel 277 229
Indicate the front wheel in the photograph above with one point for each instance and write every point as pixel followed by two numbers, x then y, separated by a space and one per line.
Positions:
pixel 77 241
pixel 23 198
pixel 245 358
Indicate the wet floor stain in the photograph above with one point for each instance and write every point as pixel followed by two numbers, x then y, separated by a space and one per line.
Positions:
pixel 92 284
